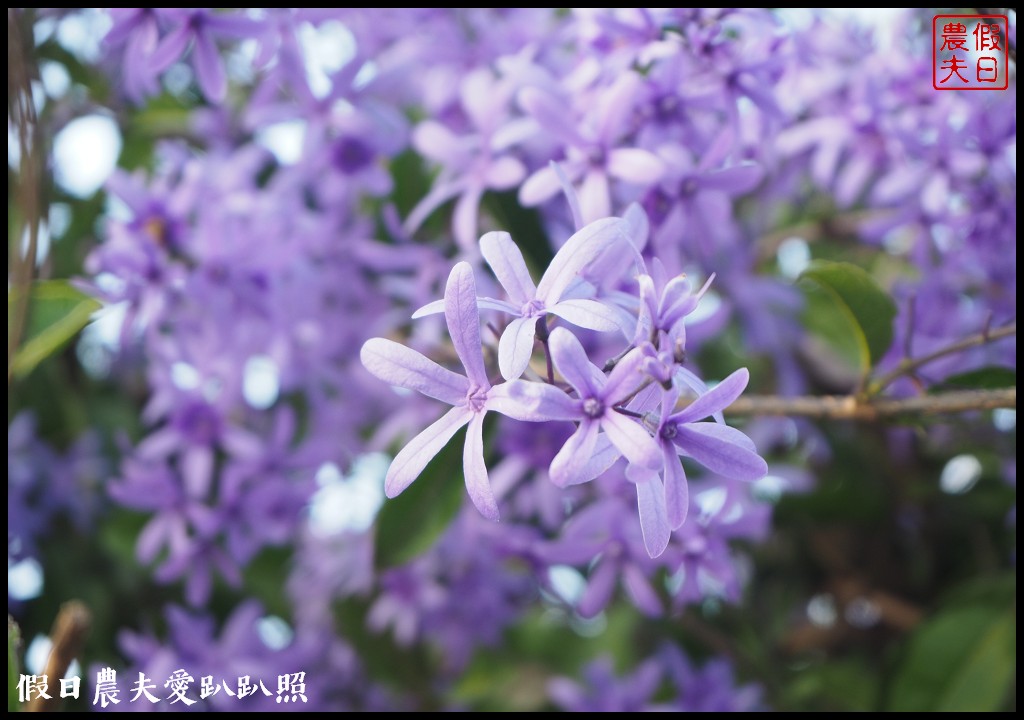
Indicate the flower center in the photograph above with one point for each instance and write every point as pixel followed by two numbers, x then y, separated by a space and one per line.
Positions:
pixel 532 309
pixel 667 108
pixel 475 398
pixel 593 408
pixel 670 431
pixel 596 157
pixel 350 155
pixel 696 546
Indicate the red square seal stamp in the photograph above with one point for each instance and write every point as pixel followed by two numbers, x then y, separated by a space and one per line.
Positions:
pixel 970 52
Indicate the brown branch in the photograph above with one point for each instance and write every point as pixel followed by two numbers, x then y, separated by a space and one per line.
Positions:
pixel 21 70
pixel 68 635
pixel 850 407
pixel 909 365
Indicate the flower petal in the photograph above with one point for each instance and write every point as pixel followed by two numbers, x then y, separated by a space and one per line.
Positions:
pixel 603 456
pixel 599 589
pixel 568 466
pixel 505 259
pixel 170 48
pixel 504 173
pixel 572 362
pixel 589 314
pixel 532 402
pixel 617 107
pixel 438 196
pixel 398 365
pixel 515 348
pixel 537 188
pixel 463 318
pixel 485 303
pixel 595 196
pixel 409 463
pixel 437 142
pixel 716 399
pixel 721 449
pixel 677 491
pixel 553 114
pixel 643 596
pixel 431 308
pixel 579 250
pixel 734 180
pixel 635 165
pixel 625 377
pixel 477 484
pixel 632 440
pixel 209 68
pixel 639 226
pixel 570 194
pixel 464 217
pixel 650 499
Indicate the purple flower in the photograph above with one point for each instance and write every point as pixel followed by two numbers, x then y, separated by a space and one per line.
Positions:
pixel 595 409
pixel 137 29
pixel 531 302
pixel 606 536
pixel 473 163
pixel 472 395
pixel 201 26
pixel 718 447
pixel 664 303
pixel 594 149
pixel 696 199
pixel 604 692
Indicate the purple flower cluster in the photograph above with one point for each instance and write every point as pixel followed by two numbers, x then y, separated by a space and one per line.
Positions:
pixel 710 688
pixel 45 486
pixel 612 411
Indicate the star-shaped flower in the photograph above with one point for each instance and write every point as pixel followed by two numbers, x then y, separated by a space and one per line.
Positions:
pixel 471 395
pixel 530 302
pixel 720 448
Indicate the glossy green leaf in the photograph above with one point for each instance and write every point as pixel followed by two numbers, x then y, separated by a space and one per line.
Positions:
pixel 411 523
pixel 869 309
pixel 833 334
pixel 963 659
pixel 57 312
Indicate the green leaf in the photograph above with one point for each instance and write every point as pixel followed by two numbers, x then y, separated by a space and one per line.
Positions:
pixel 13 642
pixel 987 378
pixel 869 308
pixel 57 311
pixel 833 333
pixel 962 659
pixel 410 524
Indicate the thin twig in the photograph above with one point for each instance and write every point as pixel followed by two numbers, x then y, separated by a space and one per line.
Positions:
pixel 908 366
pixel 850 407
pixel 543 335
pixel 68 636
pixel 21 70
pixel 628 413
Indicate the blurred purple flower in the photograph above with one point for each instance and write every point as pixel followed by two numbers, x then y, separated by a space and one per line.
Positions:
pixel 201 27
pixel 593 149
